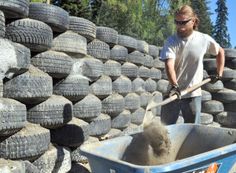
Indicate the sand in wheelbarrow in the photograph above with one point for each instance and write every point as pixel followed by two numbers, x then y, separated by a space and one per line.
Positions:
pixel 151 147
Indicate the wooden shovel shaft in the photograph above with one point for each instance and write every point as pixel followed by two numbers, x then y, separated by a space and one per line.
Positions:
pixel 182 93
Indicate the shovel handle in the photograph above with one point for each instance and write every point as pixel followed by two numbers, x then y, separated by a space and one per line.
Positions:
pixel 182 93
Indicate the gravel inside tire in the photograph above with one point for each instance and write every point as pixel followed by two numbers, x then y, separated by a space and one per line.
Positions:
pixel 31 87
pixel 71 43
pixel 122 85
pixel 72 134
pixel 83 27
pixel 212 107
pixel 144 72
pixel 112 68
pixel 89 107
pixel 28 143
pixel 12 116
pixel 99 49
pixel 138 85
pixel 100 125
pixel 56 17
pixel 10 166
pixel 132 101
pixel 108 35
pixel 225 95
pixel 52 113
pixel 15 8
pixel 30 168
pixel 56 64
pixel 130 70
pixel 129 42
pixel 34 34
pixel 122 120
pixel 119 53
pixel 2 24
pixel 227 119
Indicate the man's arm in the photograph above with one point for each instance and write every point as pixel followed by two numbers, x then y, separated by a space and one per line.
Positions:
pixel 170 70
pixel 220 61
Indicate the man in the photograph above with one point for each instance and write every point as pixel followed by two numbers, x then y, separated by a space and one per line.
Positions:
pixel 183 55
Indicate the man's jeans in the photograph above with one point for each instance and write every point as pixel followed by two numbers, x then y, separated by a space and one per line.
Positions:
pixel 190 108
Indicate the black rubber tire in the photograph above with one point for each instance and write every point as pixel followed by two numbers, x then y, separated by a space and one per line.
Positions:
pixel 153 51
pixel 132 101
pixel 34 34
pixel 150 85
pixel 100 126
pixel 129 42
pixel 56 17
pixel 102 87
pixel 72 134
pixel 138 85
pixel 230 84
pixel 148 61
pixel 155 73
pixel 143 72
pixel 71 43
pixel 56 64
pixel 30 142
pixel 144 99
pixel 2 24
pixel 89 107
pixel 231 63
pixel 225 96
pixel 206 96
pixel 137 116
pixel 122 85
pixel 163 86
pixel 228 74
pixel 15 8
pixel 99 49
pixel 206 118
pixel 227 119
pixel 230 106
pixel 209 64
pixel 130 70
pixel 212 107
pixel 108 35
pixel 230 53
pixel 136 57
pixel 119 53
pixel 52 113
pixel 212 88
pixel 31 87
pixel 83 27
pixel 158 64
pixel 73 87
pixel 112 68
pixel 142 46
pixel 1 88
pixel 12 116
pixel 113 105
pixel 122 120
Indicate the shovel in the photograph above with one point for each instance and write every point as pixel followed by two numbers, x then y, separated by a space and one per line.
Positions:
pixel 152 104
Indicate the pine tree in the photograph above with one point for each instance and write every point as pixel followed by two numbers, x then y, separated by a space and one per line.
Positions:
pixel 220 32
pixel 203 12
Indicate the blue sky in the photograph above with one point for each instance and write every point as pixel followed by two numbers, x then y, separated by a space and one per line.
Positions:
pixel 231 23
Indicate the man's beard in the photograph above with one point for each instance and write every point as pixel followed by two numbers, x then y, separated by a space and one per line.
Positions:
pixel 185 33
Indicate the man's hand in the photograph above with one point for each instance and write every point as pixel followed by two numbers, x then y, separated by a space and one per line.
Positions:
pixel 215 78
pixel 175 90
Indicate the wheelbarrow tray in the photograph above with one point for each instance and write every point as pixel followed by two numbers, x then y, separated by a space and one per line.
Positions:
pixel 195 148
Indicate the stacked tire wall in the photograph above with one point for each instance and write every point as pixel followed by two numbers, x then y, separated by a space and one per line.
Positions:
pixel 66 82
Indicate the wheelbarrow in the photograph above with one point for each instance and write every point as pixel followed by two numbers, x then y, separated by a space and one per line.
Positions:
pixel 194 147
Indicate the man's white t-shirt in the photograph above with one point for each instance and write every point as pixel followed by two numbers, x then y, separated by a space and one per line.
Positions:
pixel 188 54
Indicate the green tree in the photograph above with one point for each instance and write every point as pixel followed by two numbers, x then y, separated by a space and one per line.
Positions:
pixel 220 32
pixel 203 13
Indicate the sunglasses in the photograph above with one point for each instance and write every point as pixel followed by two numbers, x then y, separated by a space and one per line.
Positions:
pixel 182 22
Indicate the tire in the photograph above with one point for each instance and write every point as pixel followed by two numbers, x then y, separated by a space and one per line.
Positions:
pixel 164 74
pixel 130 70
pixel 87 108
pixel 102 87
pixel 129 42
pixel 136 57
pixel 112 69
pixel 153 51
pixel 138 85
pixel 156 97
pixel 148 61
pixel 100 125
pixel 113 105
pixel 142 46
pixel 206 118
pixel 212 107
pixel 225 96
pixel 28 143
pixel 1 88
pixel 212 88
pixel 230 106
pixel 158 64
pixel 209 64
pixel 15 8
pixel 137 116
pixel 52 113
pixel 12 115
pixel 144 99
pixel 35 35
pixel 227 119
pixel 55 159
pixel 2 24
pixel 150 85
pixel 119 53
pixel 71 43
pixel 99 49
pixel 31 87
pixel 72 134
pixel 122 85
pixel 230 84
pixel 121 121
pixel 230 53
pixel 56 17
pixel 231 63
pixel 144 72
pixel 73 87
pixel 206 96
pixel 163 86
pixel 108 35
pixel 83 27
pixel 228 74
pixel 132 101
pixel 56 64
